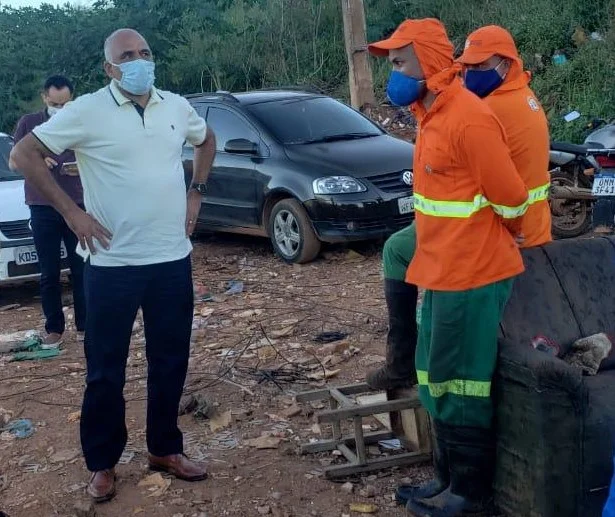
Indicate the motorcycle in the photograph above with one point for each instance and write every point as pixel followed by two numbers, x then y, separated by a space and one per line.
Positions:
pixel 574 170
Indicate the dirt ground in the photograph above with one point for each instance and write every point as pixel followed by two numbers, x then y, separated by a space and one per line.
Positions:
pixel 251 352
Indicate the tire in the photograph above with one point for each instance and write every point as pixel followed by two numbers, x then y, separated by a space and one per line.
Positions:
pixel 569 218
pixel 291 233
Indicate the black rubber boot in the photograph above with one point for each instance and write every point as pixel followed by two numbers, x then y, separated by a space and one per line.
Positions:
pixel 471 453
pixel 435 486
pixel 399 371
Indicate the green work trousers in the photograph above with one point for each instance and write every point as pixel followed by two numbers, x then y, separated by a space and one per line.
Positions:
pixel 457 353
pixel 398 252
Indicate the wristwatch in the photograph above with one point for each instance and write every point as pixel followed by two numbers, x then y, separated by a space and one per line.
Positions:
pixel 201 188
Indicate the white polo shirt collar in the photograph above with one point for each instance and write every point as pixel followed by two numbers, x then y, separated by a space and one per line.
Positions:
pixel 120 99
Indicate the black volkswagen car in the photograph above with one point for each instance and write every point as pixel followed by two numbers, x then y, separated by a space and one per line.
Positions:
pixel 301 168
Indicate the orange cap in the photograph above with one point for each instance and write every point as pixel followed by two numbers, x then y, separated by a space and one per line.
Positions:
pixel 429 40
pixel 487 42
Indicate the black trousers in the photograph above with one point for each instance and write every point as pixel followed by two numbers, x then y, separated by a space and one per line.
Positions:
pixel 49 229
pixel 113 296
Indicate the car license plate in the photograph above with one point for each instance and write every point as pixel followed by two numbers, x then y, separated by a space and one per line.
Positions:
pixel 604 185
pixel 406 205
pixel 28 255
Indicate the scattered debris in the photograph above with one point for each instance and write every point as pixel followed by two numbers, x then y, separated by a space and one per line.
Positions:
pixel 264 510
pixel 65 456
pixel 5 417
pixel 347 488
pixel 363 508
pixel 74 417
pixel 292 411
pixel 390 445
pixel 322 375
pixel 126 457
pixel 222 442
pixel 198 405
pixel 330 337
pixel 353 256
pixel 283 332
pixel 84 509
pixel 22 428
pixel 248 314
pixel 220 421
pixel 264 442
pixel 234 287
pixel 76 488
pixel 156 484
pixel 368 491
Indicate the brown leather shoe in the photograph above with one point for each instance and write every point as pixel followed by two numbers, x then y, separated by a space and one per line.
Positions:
pixel 101 487
pixel 179 466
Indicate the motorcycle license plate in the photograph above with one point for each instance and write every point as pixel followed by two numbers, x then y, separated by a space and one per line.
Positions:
pixel 604 185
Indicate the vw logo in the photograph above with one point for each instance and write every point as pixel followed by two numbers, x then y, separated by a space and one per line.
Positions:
pixel 407 177
pixel 30 224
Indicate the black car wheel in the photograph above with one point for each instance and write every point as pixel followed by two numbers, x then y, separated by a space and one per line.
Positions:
pixel 291 232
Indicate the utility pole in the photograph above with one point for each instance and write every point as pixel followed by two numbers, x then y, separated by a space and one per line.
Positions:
pixel 361 80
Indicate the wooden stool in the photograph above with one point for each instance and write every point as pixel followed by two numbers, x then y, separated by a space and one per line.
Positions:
pixel 398 410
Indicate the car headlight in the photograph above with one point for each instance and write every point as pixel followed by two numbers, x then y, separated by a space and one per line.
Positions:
pixel 338 185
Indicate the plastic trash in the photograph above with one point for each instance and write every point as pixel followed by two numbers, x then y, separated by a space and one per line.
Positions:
pixel 234 287
pixel 390 445
pixel 22 428
pixel 330 337
pixel 559 59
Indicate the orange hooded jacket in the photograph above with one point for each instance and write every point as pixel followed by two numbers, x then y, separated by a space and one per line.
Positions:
pixel 468 195
pixel 525 125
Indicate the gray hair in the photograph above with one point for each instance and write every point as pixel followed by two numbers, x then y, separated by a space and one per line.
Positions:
pixel 109 42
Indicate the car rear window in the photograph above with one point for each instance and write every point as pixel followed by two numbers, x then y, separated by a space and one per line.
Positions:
pixel 298 121
pixel 6 144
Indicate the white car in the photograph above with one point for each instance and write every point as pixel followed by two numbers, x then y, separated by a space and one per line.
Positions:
pixel 18 257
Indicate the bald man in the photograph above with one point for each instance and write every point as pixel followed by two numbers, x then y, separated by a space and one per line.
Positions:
pixel 134 237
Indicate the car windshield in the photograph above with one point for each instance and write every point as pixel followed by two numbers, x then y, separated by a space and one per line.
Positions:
pixel 6 174
pixel 312 119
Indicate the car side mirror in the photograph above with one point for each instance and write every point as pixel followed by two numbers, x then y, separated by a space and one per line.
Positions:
pixel 241 146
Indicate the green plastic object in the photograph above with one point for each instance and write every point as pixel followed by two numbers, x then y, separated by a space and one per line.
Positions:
pixel 35 355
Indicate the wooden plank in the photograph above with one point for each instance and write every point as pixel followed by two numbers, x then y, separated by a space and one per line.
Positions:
pixel 398 460
pixel 359 69
pixel 348 454
pixel 329 445
pixel 411 427
pixel 349 389
pixel 360 442
pixel 341 399
pixel 335 415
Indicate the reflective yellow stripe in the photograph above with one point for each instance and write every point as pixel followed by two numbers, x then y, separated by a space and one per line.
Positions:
pixel 466 209
pixel 455 386
pixel 457 209
pixel 539 194
pixel 510 212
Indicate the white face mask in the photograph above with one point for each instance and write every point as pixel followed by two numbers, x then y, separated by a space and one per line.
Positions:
pixel 52 110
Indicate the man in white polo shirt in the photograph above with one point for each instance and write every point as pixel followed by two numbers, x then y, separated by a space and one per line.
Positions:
pixel 128 140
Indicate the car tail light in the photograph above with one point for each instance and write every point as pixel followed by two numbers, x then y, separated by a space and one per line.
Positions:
pixel 606 162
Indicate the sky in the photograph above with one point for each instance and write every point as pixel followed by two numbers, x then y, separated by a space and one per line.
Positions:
pixel 36 3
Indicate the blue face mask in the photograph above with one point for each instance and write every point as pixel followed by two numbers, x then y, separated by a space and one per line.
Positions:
pixel 483 82
pixel 403 90
pixel 137 76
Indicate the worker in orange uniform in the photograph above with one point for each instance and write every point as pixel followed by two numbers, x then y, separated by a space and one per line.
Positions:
pixel 469 200
pixel 493 70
